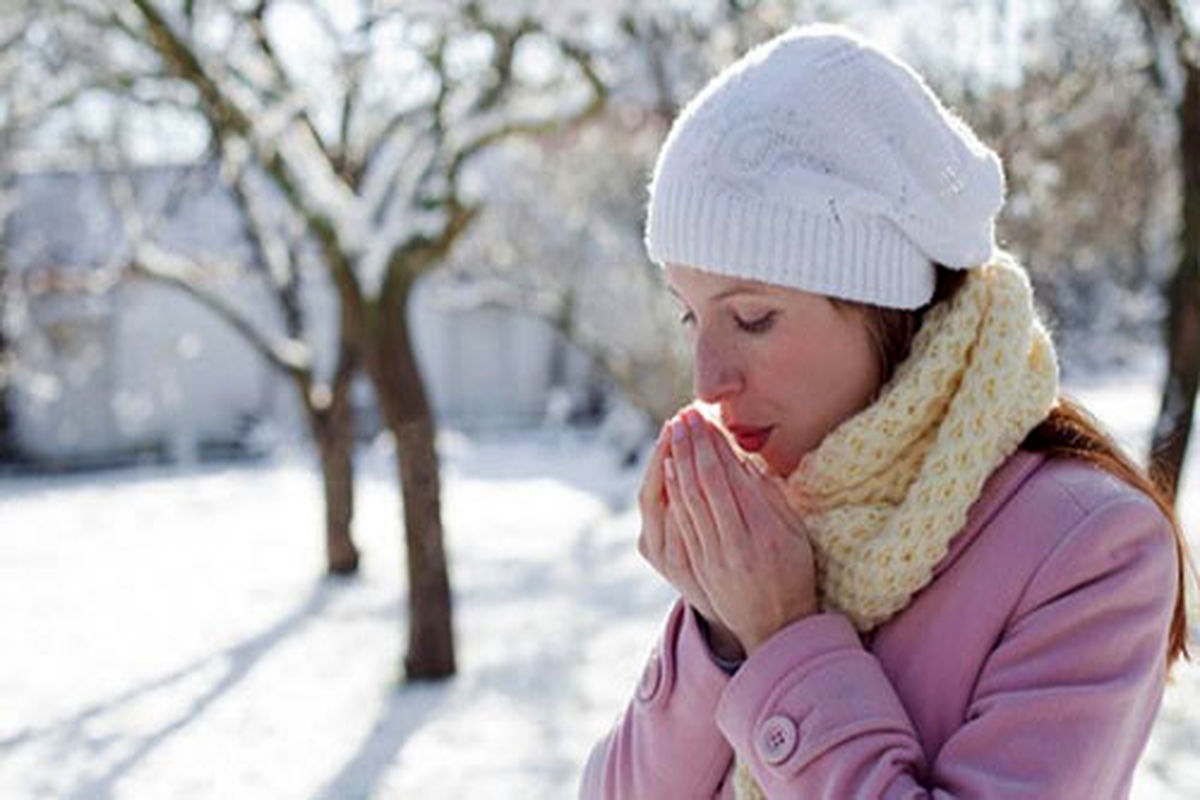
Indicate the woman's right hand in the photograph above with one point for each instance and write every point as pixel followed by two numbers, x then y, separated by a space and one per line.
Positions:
pixel 660 541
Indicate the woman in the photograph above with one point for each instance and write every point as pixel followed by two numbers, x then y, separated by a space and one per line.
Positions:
pixel 906 564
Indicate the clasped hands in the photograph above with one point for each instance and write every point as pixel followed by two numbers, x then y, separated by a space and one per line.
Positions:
pixel 723 534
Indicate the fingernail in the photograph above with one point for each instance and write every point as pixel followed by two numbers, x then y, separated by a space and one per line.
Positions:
pixel 677 431
pixel 694 420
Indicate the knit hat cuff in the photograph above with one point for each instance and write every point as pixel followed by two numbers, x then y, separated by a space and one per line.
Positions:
pixel 837 252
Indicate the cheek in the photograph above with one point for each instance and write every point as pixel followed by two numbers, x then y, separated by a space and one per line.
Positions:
pixel 789 370
pixel 834 369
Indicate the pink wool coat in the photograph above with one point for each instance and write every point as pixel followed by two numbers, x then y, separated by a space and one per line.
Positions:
pixel 1031 666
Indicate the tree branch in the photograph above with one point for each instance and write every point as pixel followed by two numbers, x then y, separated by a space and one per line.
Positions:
pixel 258 33
pixel 147 259
pixel 231 122
pixel 505 39
pixel 288 355
pixel 552 124
pixel 272 250
pixel 1168 17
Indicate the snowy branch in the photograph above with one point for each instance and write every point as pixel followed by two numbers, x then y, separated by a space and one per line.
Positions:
pixel 539 125
pixel 254 20
pixel 400 206
pixel 289 156
pixel 142 257
pixel 1165 20
pixel 274 251
pixel 149 260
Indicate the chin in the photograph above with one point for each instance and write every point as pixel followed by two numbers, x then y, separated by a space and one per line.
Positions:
pixel 783 463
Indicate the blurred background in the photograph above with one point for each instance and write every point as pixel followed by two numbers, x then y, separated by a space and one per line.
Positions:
pixel 330 359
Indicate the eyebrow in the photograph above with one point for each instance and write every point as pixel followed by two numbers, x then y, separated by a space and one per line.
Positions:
pixel 722 295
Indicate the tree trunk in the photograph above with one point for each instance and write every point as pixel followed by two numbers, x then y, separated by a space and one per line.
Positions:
pixel 1173 429
pixel 7 361
pixel 6 421
pixel 333 431
pixel 7 427
pixel 401 394
pixel 430 633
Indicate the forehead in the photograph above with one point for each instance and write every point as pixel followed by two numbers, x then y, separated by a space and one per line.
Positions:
pixel 684 280
pixel 692 285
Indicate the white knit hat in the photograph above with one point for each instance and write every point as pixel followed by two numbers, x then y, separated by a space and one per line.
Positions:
pixel 820 162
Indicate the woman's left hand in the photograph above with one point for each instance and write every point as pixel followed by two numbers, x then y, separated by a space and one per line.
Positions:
pixel 748 548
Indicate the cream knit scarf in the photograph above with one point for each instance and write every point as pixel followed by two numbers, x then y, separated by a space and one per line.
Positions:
pixel 884 492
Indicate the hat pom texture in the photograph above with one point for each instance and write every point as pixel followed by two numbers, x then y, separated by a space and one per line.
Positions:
pixel 820 162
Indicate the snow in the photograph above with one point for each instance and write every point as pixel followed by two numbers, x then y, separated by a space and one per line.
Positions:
pixel 166 632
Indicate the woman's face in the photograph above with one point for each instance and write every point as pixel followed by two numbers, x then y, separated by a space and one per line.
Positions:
pixel 774 358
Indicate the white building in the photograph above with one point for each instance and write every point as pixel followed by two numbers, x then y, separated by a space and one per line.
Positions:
pixel 113 369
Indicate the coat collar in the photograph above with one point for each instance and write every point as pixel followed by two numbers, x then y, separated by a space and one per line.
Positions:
pixel 997 489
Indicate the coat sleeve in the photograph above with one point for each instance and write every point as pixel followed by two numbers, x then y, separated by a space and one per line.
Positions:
pixel 1062 708
pixel 666 743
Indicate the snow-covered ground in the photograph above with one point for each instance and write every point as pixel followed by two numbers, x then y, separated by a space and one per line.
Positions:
pixel 165 633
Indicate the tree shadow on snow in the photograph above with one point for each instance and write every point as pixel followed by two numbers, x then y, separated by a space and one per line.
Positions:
pixel 591 582
pixel 400 716
pixel 69 736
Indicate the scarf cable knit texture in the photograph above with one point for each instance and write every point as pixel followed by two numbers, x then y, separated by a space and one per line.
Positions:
pixel 885 491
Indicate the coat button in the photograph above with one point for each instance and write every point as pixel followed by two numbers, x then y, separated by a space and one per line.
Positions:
pixel 651 677
pixel 776 739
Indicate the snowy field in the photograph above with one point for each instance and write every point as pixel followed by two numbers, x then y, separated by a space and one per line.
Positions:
pixel 165 632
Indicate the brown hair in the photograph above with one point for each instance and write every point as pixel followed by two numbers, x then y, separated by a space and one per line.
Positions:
pixel 1067 431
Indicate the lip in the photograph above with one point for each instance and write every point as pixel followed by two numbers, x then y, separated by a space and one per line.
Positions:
pixel 751 439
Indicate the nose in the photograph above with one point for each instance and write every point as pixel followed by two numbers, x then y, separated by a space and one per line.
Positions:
pixel 716 372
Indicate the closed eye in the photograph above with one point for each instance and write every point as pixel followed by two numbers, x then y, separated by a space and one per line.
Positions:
pixel 759 325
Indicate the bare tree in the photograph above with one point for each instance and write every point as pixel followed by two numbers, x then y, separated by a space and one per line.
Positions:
pixel 372 152
pixel 52 59
pixel 14 21
pixel 29 96
pixel 7 290
pixel 1176 66
pixel 567 244
pixel 1074 128
pixel 276 249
